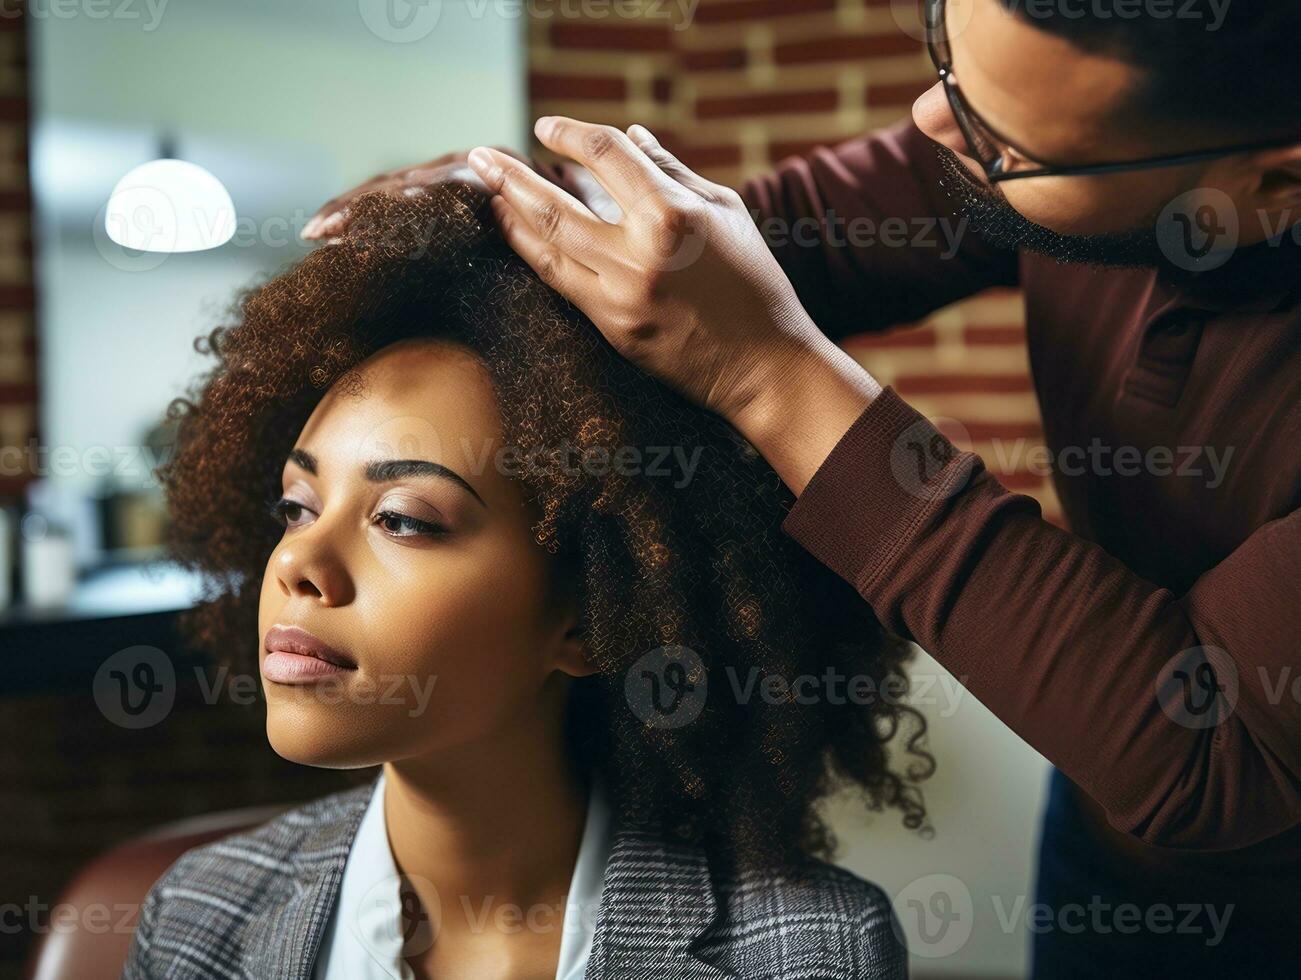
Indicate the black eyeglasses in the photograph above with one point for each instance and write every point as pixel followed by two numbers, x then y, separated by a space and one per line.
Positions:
pixel 987 144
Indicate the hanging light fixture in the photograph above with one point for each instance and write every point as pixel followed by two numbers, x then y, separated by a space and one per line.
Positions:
pixel 169 205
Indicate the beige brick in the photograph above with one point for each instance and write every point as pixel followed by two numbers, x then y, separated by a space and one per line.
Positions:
pixel 15 364
pixel 884 71
pixel 17 423
pixel 14 264
pixel 569 60
pixel 13 164
pixel 793 27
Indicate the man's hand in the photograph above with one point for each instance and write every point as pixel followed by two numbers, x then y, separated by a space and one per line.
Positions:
pixel 683 285
pixel 333 216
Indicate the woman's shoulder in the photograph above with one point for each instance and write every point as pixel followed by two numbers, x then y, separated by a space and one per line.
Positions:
pixel 823 914
pixel 217 889
pixel 271 847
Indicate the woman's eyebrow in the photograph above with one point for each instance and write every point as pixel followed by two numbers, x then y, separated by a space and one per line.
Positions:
pixel 387 470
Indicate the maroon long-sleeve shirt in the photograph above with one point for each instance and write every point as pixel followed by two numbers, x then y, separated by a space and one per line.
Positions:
pixel 1068 635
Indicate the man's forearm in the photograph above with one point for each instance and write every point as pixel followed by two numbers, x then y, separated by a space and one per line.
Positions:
pixel 802 406
pixel 1070 648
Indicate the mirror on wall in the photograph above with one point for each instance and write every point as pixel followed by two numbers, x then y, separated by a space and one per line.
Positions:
pixel 281 103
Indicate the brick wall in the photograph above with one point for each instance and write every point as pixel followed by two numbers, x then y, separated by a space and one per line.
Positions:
pixel 17 325
pixel 748 82
pixel 75 783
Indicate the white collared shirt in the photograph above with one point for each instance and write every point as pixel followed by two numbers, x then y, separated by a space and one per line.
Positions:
pixel 363 940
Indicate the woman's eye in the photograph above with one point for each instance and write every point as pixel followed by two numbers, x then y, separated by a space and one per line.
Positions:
pixel 405 526
pixel 288 512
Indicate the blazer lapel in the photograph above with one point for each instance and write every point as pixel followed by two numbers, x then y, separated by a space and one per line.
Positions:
pixel 657 901
pixel 283 942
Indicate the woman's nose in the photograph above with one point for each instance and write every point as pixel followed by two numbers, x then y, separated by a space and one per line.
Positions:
pixel 308 566
pixel 934 117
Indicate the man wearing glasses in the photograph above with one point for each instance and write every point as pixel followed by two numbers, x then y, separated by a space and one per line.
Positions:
pixel 1135 168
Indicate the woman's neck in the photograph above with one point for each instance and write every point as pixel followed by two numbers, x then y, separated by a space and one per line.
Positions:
pixel 486 830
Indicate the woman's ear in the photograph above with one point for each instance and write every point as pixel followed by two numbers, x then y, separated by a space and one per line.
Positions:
pixel 571 651
pixel 569 645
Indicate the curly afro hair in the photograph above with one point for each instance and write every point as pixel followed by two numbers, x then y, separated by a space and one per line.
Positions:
pixel 658 563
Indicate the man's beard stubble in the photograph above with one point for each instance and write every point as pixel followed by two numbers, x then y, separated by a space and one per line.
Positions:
pixel 1002 226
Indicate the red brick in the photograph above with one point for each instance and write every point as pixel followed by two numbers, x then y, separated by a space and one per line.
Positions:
pixel 782 149
pixel 13 108
pixel 17 297
pixel 903 337
pixel 719 155
pixel 994 336
pixel 844 48
pixel 1005 431
pixel 615 37
pixel 546 86
pixel 739 10
pixel 721 58
pixel 962 383
pixel 17 394
pixel 900 94
pixel 766 103
pixel 16 200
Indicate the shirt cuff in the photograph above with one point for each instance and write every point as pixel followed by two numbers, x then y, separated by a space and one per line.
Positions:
pixel 880 487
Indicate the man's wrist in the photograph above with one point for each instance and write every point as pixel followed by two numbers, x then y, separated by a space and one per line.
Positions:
pixel 806 400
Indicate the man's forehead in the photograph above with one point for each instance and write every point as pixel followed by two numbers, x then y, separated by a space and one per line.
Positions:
pixel 1036 88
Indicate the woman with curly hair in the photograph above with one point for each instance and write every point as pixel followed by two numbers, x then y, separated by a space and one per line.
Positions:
pixel 552 602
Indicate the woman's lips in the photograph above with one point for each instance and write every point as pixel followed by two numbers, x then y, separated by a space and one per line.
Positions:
pixel 284 667
pixel 295 656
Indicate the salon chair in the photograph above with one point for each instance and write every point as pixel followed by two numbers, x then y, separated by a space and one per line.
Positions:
pixel 117 881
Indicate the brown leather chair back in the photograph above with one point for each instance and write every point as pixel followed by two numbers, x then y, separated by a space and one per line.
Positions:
pixel 107 893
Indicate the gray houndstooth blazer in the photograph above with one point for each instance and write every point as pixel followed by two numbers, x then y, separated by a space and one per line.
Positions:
pixel 255 905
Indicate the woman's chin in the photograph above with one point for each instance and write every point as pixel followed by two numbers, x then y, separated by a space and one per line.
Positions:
pixel 311 740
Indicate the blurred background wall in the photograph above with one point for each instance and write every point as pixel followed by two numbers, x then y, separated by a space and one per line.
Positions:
pixel 18 400
pixel 289 101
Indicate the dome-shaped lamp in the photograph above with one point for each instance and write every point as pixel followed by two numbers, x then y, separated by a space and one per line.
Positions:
pixel 170 205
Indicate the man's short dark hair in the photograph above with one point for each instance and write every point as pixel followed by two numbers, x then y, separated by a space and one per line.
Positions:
pixel 1225 65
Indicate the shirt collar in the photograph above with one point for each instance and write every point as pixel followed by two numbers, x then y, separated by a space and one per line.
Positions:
pixel 364 938
pixel 583 900
pixel 1255 279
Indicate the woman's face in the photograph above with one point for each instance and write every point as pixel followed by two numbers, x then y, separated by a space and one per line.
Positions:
pixel 409 553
